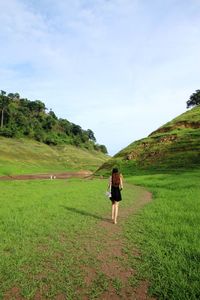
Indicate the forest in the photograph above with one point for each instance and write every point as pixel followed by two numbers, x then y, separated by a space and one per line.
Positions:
pixel 20 117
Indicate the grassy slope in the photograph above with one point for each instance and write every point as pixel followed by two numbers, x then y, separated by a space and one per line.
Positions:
pixel 167 233
pixel 174 145
pixel 24 156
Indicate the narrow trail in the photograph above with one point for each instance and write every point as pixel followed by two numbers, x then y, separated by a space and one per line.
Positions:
pixel 113 260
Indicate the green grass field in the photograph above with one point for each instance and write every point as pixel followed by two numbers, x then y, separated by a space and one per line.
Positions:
pixel 46 227
pixel 50 236
pixel 167 232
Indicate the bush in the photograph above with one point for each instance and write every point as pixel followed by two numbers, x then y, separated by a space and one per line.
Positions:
pixel 7 132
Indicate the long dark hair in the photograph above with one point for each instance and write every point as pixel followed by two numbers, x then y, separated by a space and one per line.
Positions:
pixel 115 170
pixel 115 177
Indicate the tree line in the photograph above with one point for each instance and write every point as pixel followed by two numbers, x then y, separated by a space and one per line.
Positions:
pixel 20 117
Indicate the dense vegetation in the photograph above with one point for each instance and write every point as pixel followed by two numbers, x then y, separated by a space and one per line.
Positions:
pixel 21 117
pixel 175 145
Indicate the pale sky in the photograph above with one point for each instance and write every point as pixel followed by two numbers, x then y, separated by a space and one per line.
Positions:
pixel 119 67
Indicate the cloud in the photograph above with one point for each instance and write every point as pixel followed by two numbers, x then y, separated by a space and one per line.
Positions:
pixel 119 67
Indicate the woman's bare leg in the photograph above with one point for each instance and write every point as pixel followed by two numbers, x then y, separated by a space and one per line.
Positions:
pixel 116 212
pixel 113 210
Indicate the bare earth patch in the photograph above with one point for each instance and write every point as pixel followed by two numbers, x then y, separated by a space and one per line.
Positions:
pixel 113 256
pixel 112 259
pixel 64 175
pixel 13 293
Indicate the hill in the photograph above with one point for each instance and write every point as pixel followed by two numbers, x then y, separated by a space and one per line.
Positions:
pixel 20 117
pixel 26 156
pixel 175 145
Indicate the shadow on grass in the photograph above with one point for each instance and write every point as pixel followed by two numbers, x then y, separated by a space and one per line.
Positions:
pixel 85 213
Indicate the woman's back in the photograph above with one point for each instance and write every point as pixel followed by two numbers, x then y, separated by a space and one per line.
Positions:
pixel 115 179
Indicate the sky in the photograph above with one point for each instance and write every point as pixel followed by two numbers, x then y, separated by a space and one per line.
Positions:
pixel 121 68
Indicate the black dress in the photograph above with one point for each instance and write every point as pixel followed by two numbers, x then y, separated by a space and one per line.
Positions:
pixel 115 194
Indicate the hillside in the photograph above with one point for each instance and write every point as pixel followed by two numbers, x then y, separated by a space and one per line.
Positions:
pixel 26 156
pixel 20 117
pixel 175 145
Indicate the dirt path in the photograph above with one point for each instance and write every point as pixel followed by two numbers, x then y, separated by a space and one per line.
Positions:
pixel 63 175
pixel 105 244
pixel 113 259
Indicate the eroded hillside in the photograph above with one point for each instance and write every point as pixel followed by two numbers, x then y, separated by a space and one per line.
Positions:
pixel 173 145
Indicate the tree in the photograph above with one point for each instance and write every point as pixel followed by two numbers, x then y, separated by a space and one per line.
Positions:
pixel 52 114
pixel 103 149
pixel 36 106
pixel 65 126
pixel 3 93
pixel 14 96
pixel 91 135
pixel 76 129
pixel 11 96
pixel 48 122
pixel 194 99
pixel 4 100
pixel 22 117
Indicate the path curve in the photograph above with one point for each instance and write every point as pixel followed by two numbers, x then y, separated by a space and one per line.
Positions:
pixel 113 258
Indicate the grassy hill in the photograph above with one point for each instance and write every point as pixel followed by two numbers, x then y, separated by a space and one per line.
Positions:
pixel 23 156
pixel 175 145
pixel 22 118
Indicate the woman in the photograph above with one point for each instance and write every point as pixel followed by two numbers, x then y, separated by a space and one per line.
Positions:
pixel 115 186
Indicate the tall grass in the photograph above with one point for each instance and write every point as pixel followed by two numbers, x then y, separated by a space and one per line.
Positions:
pixel 167 232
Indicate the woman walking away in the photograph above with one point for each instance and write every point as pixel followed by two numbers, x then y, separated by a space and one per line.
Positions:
pixel 115 186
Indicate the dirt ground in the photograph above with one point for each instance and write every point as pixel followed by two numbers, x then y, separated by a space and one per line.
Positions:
pixel 63 175
pixel 113 250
